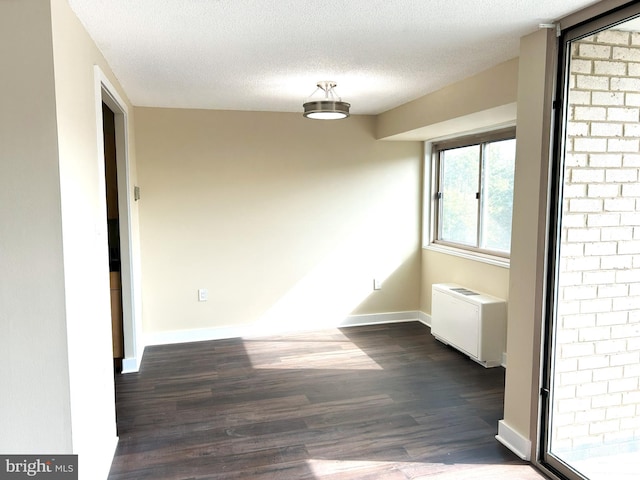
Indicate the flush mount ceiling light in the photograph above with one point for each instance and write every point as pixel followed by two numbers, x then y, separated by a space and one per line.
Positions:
pixel 328 107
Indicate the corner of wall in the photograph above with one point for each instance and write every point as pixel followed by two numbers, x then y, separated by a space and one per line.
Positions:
pixel 514 441
pixel 528 232
pixel 485 99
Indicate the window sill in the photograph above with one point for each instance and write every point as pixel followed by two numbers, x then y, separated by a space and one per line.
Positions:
pixel 478 257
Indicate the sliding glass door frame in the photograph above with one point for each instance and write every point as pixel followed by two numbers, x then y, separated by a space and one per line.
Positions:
pixel 545 459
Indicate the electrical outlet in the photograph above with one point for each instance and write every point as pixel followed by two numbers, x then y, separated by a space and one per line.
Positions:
pixel 377 284
pixel 203 294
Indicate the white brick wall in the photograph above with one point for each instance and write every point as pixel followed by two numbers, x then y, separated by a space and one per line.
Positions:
pixel 597 374
pixel 607 160
pixel 601 98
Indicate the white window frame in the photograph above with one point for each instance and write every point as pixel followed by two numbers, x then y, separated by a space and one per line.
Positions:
pixel 430 205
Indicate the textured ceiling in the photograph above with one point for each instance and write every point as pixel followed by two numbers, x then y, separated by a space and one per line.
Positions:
pixel 267 55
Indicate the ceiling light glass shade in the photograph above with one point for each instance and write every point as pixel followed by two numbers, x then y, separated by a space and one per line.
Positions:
pixel 326 110
pixel 328 107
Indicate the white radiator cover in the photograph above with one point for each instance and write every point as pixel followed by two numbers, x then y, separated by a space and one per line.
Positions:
pixel 470 321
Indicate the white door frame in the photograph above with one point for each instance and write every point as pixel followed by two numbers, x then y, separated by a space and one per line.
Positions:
pixel 105 92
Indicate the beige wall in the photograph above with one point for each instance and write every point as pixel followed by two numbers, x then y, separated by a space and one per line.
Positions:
pixel 35 408
pixel 439 267
pixel 87 299
pixel 535 94
pixel 285 220
pixel 483 101
pixel 57 370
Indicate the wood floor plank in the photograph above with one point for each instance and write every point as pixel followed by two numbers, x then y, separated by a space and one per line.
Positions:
pixel 375 402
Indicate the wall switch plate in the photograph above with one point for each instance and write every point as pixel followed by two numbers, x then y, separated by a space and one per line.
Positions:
pixel 377 284
pixel 203 294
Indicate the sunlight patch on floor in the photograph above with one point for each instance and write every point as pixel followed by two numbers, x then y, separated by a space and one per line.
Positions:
pixel 420 470
pixel 309 356
pixel 324 468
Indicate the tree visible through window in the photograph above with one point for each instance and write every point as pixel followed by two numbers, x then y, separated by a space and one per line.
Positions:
pixel 474 199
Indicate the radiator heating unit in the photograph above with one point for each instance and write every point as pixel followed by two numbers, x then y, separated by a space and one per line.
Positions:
pixel 470 321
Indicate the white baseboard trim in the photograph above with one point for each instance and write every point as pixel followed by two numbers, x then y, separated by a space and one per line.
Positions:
pixel 194 335
pixel 132 364
pixel 515 442
pixel 424 318
pixel 379 318
pixel 253 330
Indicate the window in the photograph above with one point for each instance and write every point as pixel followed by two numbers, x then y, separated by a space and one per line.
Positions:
pixel 472 201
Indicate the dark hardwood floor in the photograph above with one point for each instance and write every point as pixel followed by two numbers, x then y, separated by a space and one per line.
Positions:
pixel 375 402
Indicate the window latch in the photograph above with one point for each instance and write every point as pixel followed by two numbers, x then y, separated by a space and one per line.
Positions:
pixel 439 195
pixel 477 195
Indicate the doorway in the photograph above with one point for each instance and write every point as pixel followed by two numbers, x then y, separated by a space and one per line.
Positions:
pixel 591 385
pixel 113 234
pixel 120 195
